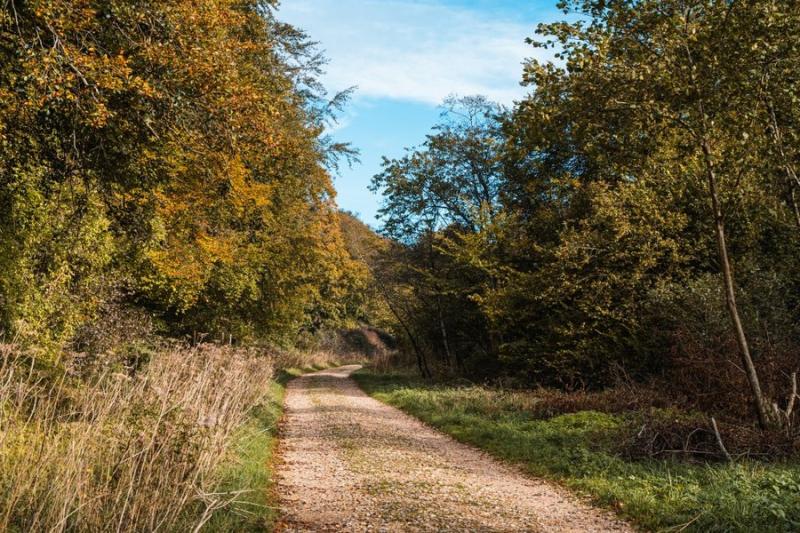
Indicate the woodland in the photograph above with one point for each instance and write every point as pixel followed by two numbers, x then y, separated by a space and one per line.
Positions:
pixel 624 239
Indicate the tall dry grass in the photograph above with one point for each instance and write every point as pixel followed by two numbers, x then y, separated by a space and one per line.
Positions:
pixel 117 452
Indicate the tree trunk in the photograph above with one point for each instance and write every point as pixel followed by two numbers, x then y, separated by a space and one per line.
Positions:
pixel 443 329
pixel 763 407
pixel 438 297
pixel 766 414
pixel 422 362
pixel 795 208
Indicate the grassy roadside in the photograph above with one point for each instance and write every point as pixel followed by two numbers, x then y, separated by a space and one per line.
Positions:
pixel 252 465
pixel 577 450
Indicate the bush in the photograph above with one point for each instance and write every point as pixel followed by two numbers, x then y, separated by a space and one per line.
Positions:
pixel 689 329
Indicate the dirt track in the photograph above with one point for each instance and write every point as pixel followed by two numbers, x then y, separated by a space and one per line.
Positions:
pixel 351 463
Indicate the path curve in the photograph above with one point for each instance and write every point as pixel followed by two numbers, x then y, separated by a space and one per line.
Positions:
pixel 351 463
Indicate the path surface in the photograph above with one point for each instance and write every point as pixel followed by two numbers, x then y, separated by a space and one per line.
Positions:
pixel 351 463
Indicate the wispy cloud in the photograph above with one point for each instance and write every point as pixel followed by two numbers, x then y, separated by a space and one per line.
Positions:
pixel 415 50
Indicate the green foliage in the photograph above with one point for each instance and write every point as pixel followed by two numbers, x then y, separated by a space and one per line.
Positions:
pixel 437 199
pixel 578 449
pixel 600 202
pixel 53 261
pixel 452 179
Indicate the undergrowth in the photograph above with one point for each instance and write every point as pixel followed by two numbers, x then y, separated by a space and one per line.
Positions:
pixel 122 448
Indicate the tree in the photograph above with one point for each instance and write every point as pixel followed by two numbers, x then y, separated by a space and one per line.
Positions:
pixel 434 199
pixel 174 150
pixel 451 180
pixel 668 89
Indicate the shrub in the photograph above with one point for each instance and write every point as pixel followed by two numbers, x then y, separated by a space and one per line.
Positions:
pixel 690 330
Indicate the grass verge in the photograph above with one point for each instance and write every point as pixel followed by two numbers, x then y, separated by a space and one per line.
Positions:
pixel 578 450
pixel 253 463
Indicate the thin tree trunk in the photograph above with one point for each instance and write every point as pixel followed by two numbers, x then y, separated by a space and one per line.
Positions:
pixel 795 208
pixel 765 419
pixel 422 362
pixel 763 407
pixel 438 297
pixel 443 329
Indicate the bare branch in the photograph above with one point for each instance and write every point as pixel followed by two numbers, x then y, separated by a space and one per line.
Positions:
pixel 719 441
pixel 792 398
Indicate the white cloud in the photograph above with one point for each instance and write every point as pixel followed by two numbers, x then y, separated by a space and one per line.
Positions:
pixel 341 123
pixel 415 50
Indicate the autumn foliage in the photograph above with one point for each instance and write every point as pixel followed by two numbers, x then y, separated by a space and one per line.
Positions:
pixel 168 155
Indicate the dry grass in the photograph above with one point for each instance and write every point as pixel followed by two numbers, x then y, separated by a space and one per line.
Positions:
pixel 297 359
pixel 120 452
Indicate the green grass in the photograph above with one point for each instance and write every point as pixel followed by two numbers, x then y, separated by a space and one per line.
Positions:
pixel 252 464
pixel 577 450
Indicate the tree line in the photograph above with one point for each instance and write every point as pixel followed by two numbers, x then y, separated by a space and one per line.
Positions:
pixel 635 215
pixel 165 158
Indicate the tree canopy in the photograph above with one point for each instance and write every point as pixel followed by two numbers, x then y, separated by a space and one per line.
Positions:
pixel 165 154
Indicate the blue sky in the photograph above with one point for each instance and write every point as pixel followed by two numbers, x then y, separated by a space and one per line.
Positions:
pixel 405 57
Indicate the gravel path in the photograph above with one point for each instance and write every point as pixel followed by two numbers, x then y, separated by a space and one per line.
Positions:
pixel 351 463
